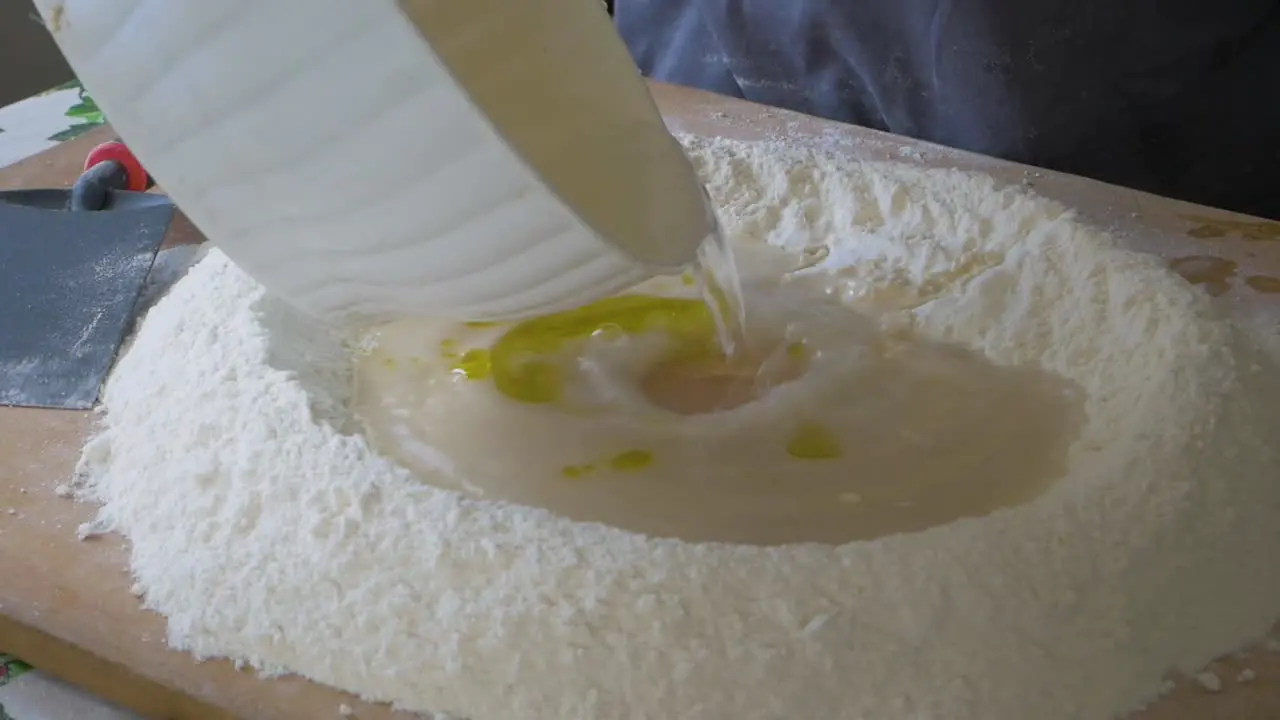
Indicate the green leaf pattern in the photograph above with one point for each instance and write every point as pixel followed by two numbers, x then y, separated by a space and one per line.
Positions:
pixel 10 668
pixel 84 114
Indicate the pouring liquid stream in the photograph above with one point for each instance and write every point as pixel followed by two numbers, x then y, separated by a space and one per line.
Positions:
pixel 717 279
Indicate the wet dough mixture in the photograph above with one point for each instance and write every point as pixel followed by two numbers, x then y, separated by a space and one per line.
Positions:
pixel 827 428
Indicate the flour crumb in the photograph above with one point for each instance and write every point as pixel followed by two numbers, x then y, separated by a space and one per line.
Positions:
pixel 815 624
pixel 137 590
pixel 346 710
pixel 63 491
pixel 22 490
pixel 57 18
pixel 1209 680
pixel 90 530
pixel 11 511
pixel 1246 675
pixel 850 498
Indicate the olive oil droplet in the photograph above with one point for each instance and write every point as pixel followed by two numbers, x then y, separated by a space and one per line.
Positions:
pixel 812 441
pixel 576 471
pixel 474 364
pixel 631 460
pixel 528 361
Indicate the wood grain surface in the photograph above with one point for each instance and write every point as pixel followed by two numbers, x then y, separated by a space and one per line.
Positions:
pixel 66 604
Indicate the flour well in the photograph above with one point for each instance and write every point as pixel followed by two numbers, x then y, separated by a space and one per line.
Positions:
pixel 831 404
pixel 266 529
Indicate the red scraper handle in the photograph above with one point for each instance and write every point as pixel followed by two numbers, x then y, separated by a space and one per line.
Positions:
pixel 108 167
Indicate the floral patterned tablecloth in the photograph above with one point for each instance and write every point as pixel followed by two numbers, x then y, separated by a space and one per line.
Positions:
pixel 28 694
pixel 26 128
pixel 40 122
pixel 10 669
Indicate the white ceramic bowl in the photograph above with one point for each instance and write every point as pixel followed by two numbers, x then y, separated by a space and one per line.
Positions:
pixel 475 159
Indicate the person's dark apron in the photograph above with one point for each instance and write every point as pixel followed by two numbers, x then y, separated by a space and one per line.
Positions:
pixel 1178 97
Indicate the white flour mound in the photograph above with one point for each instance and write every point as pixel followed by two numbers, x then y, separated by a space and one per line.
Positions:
pixel 266 530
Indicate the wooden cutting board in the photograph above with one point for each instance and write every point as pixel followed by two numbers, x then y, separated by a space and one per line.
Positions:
pixel 65 605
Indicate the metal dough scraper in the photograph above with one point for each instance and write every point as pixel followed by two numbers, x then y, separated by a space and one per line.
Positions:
pixel 69 283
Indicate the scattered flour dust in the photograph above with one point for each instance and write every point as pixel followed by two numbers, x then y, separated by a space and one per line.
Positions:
pixel 265 529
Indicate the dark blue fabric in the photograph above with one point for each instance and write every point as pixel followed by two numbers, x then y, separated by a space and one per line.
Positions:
pixel 1176 97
